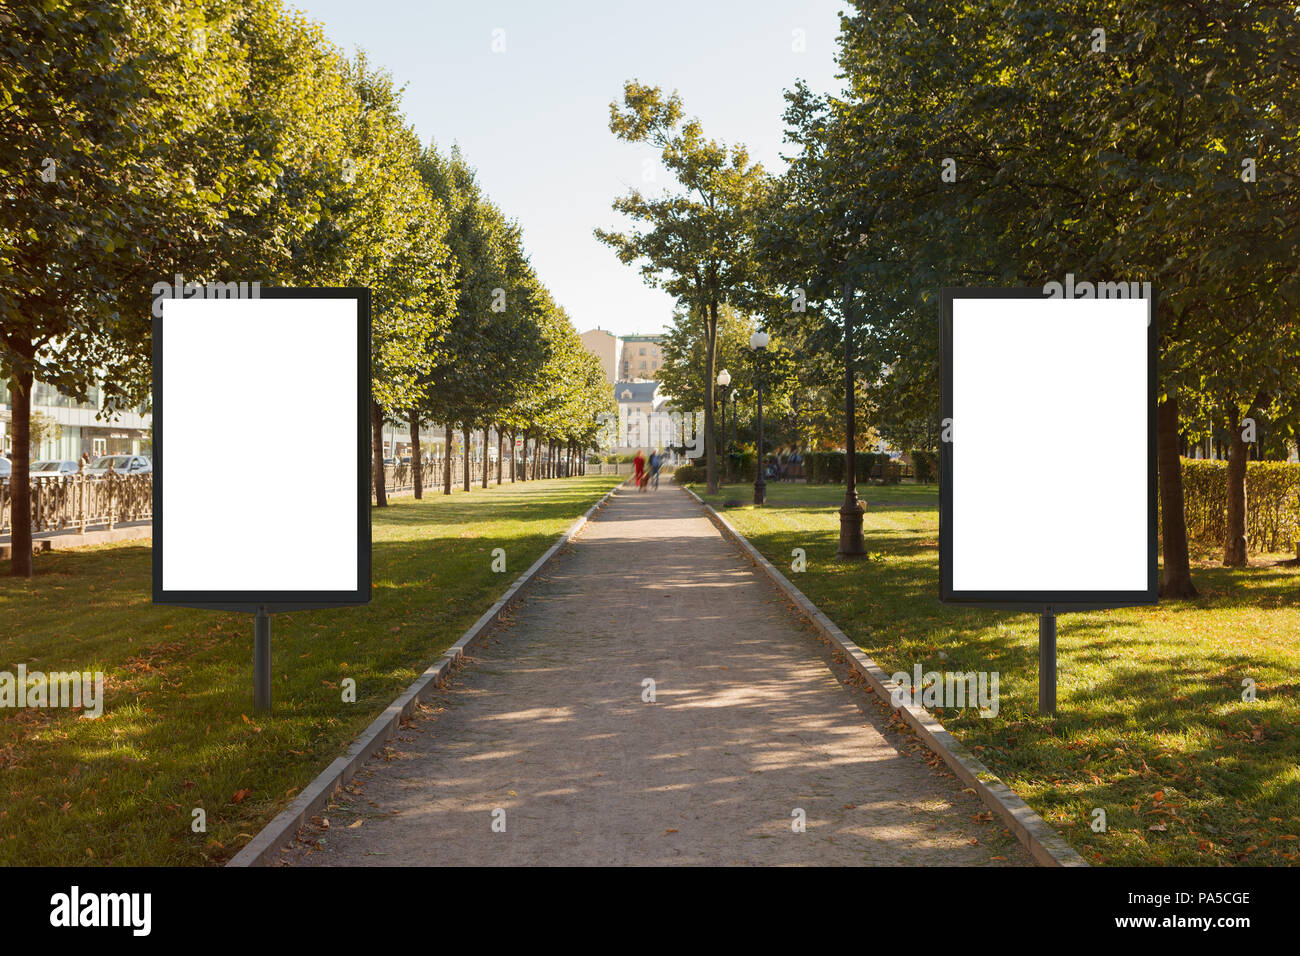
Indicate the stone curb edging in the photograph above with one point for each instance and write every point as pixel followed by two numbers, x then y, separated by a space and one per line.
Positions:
pixel 261 850
pixel 43 541
pixel 1044 844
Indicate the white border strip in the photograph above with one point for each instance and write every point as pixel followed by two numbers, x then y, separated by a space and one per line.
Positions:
pixel 262 849
pixel 1045 845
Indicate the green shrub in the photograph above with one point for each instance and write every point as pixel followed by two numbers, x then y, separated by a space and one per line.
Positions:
pixel 1272 503
pixel 925 465
pixel 827 467
pixel 741 466
pixel 689 474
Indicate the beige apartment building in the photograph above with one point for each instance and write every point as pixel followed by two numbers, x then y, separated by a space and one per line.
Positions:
pixel 607 347
pixel 628 358
pixel 643 355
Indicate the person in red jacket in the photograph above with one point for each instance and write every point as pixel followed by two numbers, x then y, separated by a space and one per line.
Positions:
pixel 638 463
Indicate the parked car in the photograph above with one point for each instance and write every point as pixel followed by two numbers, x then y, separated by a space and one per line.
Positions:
pixel 6 467
pixel 121 464
pixel 53 468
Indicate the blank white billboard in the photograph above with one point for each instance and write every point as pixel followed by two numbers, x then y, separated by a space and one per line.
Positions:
pixel 261 466
pixel 1048 494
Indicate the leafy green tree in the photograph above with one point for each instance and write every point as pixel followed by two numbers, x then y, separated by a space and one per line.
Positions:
pixel 495 347
pixel 394 243
pixel 104 192
pixel 1116 164
pixel 698 243
pixel 685 351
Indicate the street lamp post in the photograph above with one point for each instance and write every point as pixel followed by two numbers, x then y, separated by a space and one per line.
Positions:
pixel 851 541
pixel 724 383
pixel 731 440
pixel 758 342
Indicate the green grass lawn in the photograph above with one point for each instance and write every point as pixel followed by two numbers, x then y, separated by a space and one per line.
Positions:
pixel 178 730
pixel 1151 725
pixel 797 494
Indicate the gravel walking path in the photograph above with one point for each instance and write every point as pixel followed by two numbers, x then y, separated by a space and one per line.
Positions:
pixel 749 727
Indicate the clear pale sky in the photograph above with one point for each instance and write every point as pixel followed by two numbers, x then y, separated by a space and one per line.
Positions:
pixel 534 119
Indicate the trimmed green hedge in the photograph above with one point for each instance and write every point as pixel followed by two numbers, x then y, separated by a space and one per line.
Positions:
pixel 689 474
pixel 1272 503
pixel 926 466
pixel 739 467
pixel 827 467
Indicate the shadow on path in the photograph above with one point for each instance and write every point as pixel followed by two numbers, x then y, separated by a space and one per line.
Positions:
pixel 749 726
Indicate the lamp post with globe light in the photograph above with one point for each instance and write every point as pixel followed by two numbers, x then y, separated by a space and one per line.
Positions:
pixel 724 383
pixel 758 342
pixel 852 544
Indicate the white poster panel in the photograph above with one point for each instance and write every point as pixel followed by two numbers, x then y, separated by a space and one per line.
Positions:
pixel 260 418
pixel 1048 494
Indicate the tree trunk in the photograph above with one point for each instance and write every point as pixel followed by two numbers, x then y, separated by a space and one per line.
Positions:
pixel 710 355
pixel 1234 543
pixel 416 476
pixel 485 457
pixel 1176 578
pixel 446 463
pixel 20 483
pixel 501 454
pixel 521 471
pixel 464 431
pixel 377 435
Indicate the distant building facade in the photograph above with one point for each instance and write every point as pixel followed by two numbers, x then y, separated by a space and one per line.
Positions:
pixel 626 358
pixel 631 364
pixel 608 348
pixel 643 356
pixel 645 418
pixel 80 428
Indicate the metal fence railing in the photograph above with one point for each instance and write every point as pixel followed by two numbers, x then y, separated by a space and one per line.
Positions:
pixel 400 477
pixel 78 502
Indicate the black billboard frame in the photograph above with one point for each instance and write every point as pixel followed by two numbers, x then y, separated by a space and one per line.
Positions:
pixel 1047 604
pixel 261 604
